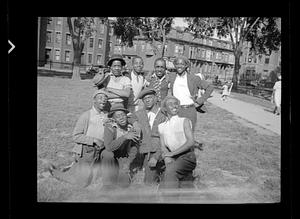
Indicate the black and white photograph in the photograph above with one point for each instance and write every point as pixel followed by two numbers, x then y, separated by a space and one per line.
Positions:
pixel 159 110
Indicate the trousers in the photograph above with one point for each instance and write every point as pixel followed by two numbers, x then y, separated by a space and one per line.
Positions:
pixel 181 167
pixel 189 113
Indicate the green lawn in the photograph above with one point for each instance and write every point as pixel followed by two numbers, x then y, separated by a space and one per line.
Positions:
pixel 238 163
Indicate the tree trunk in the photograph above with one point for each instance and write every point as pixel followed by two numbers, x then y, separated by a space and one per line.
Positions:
pixel 77 62
pixel 236 71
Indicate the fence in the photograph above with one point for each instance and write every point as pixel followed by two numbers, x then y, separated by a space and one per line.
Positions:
pixel 61 66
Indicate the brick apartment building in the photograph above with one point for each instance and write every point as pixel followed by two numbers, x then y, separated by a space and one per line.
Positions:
pixel 210 56
pixel 255 67
pixel 55 44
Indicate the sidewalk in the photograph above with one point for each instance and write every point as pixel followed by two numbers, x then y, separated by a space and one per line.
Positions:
pixel 254 113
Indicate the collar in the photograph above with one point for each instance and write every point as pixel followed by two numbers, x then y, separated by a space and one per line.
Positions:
pixel 161 79
pixel 96 112
pixel 184 75
pixel 135 74
pixel 150 111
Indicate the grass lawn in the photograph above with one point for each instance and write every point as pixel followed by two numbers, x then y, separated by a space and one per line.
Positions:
pixel 238 164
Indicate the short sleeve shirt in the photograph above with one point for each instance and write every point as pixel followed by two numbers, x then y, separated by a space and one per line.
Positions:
pixel 121 82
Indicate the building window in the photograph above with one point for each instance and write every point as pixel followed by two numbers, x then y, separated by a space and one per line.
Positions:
pixel 49 20
pixel 143 47
pixel 67 55
pixel 208 54
pixel 48 54
pixel 203 53
pixel 91 42
pixel 134 46
pixel 166 48
pixel 267 60
pixel 191 53
pixel 179 49
pixel 100 41
pixel 68 39
pixel 117 49
pixel 82 58
pixel 159 46
pixel 49 34
pixel 58 37
pixel 57 55
pixel 90 58
pixel 111 31
pixel 101 27
pixel 99 59
pixel 59 21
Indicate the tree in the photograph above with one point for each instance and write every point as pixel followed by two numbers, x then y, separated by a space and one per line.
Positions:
pixel 81 28
pixel 261 32
pixel 152 30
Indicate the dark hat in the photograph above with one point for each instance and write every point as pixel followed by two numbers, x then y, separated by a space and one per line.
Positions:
pixel 116 57
pixel 101 91
pixel 146 91
pixel 99 78
pixel 117 107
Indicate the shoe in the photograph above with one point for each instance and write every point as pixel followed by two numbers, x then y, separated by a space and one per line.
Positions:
pixel 198 146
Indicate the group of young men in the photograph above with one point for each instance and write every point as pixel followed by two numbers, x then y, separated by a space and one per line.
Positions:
pixel 148 119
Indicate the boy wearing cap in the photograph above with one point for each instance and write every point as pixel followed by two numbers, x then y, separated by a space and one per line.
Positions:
pixel 120 140
pixel 119 86
pixel 88 135
pixel 149 118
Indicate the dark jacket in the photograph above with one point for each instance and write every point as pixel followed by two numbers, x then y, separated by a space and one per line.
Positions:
pixel 111 141
pixel 194 84
pixel 150 137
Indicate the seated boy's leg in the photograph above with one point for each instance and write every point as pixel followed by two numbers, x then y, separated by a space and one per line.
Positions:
pixel 109 167
pixel 178 170
pixel 151 173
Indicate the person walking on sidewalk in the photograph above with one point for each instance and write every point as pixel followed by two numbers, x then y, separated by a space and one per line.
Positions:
pixel 226 90
pixel 276 96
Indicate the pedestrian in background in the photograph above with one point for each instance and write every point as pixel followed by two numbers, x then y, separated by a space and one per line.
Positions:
pixel 276 96
pixel 226 90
